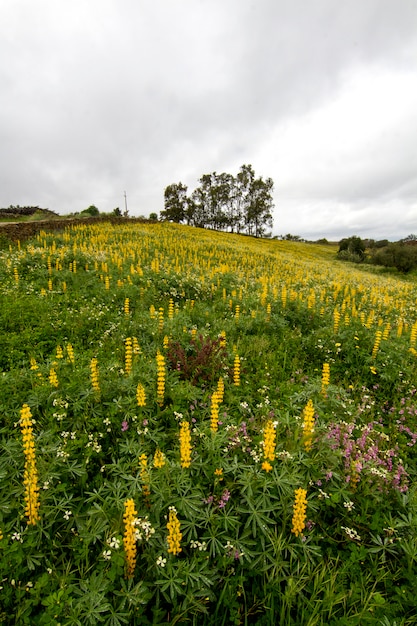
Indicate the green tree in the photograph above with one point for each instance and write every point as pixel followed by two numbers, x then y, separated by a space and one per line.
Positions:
pixel 175 203
pixel 352 249
pixel 92 210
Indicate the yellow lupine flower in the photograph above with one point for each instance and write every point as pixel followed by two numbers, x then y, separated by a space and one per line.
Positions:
pixel 128 355
pixel 159 459
pixel 160 378
pixel 236 371
pixel 185 444
pixel 269 445
pixel 308 424
pixel 94 375
pixel 140 395
pixel 53 378
pixel 129 538
pixel 144 475
pixel 70 353
pixel 30 479
pixel 299 515
pixel 214 416
pixel 174 532
pixel 325 378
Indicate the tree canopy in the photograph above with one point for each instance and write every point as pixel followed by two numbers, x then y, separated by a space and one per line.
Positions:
pixel 241 204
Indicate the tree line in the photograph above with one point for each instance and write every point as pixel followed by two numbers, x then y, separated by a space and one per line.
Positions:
pixel 239 204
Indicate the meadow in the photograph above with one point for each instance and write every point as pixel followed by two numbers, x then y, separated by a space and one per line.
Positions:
pixel 204 428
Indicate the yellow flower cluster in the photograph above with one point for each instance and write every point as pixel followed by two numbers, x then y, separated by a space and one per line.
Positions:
pixel 378 337
pixel 70 353
pixel 214 414
pixel 325 379
pixel 299 515
pixel 144 475
pixel 128 355
pixel 269 445
pixel 222 339
pixel 237 312
pixel 161 319
pixel 220 390
pixel 185 444
pixel 236 371
pixel 136 346
pixel 126 306
pixel 59 352
pixel 159 459
pixel 94 375
pixel 336 320
pixel 308 424
pixel 171 309
pixel 129 537
pixel 53 378
pixel 165 342
pixel 141 395
pixel 160 378
pixel 30 479
pixel 174 532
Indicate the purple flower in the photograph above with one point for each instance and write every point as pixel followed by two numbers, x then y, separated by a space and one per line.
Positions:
pixel 125 426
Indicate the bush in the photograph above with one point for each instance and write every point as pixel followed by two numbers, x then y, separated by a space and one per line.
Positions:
pixel 399 255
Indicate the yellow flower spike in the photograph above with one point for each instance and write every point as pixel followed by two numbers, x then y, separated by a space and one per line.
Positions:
pixel 94 375
pixel 70 353
pixel 53 378
pixel 185 444
pixel 126 307
pixel 268 445
pixel 30 479
pixel 336 320
pixel 220 390
pixel 144 476
pixel 299 515
pixel 325 378
pixel 161 319
pixel 160 378
pixel 214 417
pixel 308 425
pixel 174 532
pixel 140 395
pixel 236 371
pixel 128 355
pixel 159 459
pixel 378 338
pixel 129 538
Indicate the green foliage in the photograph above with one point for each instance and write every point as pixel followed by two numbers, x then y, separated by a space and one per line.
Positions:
pixel 92 211
pixel 240 204
pixel 352 249
pixel 402 256
pixel 240 563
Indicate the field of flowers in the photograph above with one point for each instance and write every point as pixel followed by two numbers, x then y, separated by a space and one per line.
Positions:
pixel 204 428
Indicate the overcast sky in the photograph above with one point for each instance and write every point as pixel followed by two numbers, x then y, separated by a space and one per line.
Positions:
pixel 103 96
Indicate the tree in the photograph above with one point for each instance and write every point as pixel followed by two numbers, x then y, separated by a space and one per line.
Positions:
pixel 175 202
pixel 92 210
pixel 221 201
pixel 352 249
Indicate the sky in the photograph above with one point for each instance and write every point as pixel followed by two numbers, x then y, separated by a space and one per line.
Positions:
pixel 103 97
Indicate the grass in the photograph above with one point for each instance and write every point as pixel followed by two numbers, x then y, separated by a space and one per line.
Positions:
pixel 115 337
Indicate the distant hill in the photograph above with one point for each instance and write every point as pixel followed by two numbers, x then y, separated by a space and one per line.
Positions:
pixel 15 212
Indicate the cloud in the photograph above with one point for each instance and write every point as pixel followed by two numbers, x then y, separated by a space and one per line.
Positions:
pixel 106 96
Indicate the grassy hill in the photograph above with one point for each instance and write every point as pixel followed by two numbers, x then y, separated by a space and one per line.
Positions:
pixel 204 428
